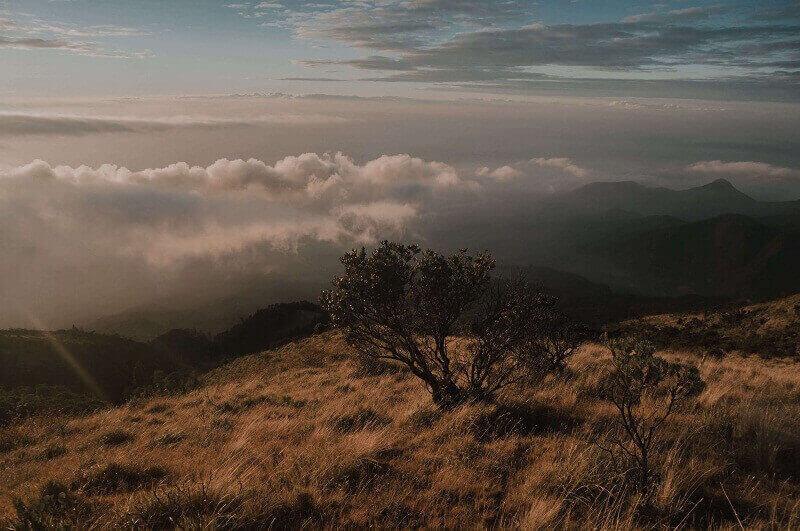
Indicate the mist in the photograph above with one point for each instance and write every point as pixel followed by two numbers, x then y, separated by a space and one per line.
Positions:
pixel 115 204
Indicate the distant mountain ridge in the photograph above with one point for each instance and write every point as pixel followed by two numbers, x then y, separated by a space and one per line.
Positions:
pixel 112 368
pixel 700 202
pixel 568 232
pixel 731 255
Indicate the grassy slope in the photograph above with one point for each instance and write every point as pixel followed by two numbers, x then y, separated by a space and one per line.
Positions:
pixel 767 329
pixel 301 435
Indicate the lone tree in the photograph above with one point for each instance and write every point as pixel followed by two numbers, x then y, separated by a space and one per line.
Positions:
pixel 402 304
pixel 645 390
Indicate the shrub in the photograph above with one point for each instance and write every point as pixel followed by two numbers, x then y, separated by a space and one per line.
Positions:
pixel 401 304
pixel 364 472
pixel 557 336
pixel 204 508
pixel 185 508
pixel 361 419
pixel 645 390
pixel 114 478
pixel 117 438
pixel 56 508
pixel 170 438
pixel 53 452
pixel 517 419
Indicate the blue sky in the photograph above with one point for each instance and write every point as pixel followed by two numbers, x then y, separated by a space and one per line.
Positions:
pixel 699 49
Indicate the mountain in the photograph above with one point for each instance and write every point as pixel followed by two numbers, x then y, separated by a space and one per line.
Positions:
pixel 69 369
pixel 712 199
pixel 211 315
pixel 105 366
pixel 269 327
pixel 595 304
pixel 729 256
pixel 769 329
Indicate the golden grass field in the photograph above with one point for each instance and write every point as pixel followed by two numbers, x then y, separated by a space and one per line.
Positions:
pixel 300 436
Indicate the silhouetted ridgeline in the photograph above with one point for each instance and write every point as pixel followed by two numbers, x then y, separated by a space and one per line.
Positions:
pixel 269 327
pixel 76 369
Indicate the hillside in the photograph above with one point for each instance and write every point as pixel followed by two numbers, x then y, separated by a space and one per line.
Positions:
pixel 727 256
pixel 766 329
pixel 83 362
pixel 212 313
pixel 302 436
pixel 77 368
pixel 596 304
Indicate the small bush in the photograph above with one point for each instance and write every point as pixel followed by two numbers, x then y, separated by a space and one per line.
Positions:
pixel 9 443
pixel 117 438
pixel 517 418
pixel 645 390
pixel 53 452
pixel 424 417
pixel 364 472
pixel 115 478
pixel 170 438
pixel 202 507
pixel 363 418
pixel 56 508
pixel 185 508
pixel 157 408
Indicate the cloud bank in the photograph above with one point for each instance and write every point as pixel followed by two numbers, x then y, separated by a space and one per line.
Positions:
pixel 78 240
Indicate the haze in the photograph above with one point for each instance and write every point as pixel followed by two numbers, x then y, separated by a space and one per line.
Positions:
pixel 171 154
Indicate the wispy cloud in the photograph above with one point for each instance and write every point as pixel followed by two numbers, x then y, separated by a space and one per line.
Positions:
pixel 412 43
pixel 15 123
pixel 37 34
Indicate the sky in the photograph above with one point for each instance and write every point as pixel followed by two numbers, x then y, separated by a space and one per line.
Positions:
pixel 173 152
pixel 709 49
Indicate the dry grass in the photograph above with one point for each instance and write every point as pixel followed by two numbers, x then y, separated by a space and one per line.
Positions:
pixel 769 329
pixel 302 436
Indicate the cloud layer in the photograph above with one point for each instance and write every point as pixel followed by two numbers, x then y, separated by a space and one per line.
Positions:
pixel 85 238
pixel 20 123
pixel 505 42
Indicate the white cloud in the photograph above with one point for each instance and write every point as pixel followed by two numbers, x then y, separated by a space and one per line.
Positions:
pixel 79 238
pixel 756 171
pixel 562 164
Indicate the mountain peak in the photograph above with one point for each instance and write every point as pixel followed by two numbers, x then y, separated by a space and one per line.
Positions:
pixel 721 189
pixel 721 185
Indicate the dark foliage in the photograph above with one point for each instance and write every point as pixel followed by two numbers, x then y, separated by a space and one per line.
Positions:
pixel 56 507
pixel 270 327
pixel 115 478
pixel 73 371
pixel 401 304
pixel 192 347
pixel 117 438
pixel 86 363
pixel 645 390
pixel 21 402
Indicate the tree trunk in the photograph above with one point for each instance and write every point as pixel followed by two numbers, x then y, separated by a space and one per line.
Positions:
pixel 446 395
